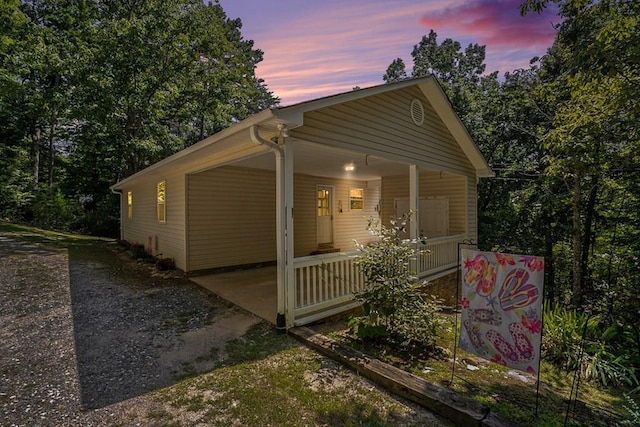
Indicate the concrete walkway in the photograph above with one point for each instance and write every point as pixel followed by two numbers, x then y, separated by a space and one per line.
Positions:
pixel 254 290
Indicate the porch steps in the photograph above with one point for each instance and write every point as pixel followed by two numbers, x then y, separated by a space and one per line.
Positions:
pixel 442 401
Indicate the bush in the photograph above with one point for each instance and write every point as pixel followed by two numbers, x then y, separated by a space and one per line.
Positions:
pixel 601 358
pixel 125 244
pixel 101 219
pixel 634 412
pixel 139 251
pixel 393 306
pixel 164 264
pixel 51 210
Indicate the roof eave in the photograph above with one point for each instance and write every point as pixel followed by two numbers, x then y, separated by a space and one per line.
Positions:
pixel 265 116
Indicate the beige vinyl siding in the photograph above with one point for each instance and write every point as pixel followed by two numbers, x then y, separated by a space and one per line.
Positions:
pixel 232 217
pixel 432 184
pixel 472 208
pixel 167 239
pixel 227 151
pixel 347 225
pixel 381 125
pixel 232 220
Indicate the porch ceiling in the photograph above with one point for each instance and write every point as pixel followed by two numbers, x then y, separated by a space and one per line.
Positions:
pixel 319 160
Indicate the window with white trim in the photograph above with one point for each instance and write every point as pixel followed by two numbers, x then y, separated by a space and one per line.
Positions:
pixel 356 199
pixel 129 204
pixel 162 196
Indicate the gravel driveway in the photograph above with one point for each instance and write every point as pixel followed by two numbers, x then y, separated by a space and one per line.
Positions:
pixel 91 338
pixel 84 339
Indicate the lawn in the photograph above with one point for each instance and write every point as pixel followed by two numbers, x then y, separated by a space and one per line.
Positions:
pixel 508 393
pixel 269 379
pixel 261 378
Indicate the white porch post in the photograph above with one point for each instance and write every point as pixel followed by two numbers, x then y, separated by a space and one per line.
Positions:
pixel 414 201
pixel 284 224
pixel 414 205
pixel 289 269
pixel 280 239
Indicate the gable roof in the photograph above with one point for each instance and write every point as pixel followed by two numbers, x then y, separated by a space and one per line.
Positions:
pixel 431 89
pixel 292 116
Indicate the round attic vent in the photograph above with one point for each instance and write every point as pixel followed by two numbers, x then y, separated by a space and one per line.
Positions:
pixel 417 112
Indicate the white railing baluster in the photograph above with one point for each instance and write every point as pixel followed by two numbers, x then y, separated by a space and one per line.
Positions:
pixel 326 282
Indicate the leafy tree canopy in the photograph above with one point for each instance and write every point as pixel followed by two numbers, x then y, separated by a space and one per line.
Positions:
pixel 94 91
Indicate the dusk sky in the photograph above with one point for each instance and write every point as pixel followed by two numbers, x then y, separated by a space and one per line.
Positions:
pixel 317 48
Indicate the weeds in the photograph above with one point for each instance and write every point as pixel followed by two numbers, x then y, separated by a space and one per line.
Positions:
pixel 578 341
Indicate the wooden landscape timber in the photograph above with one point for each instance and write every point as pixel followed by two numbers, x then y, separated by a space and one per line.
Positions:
pixel 444 402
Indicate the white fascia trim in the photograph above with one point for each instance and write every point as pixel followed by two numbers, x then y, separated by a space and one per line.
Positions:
pixel 441 103
pixel 256 119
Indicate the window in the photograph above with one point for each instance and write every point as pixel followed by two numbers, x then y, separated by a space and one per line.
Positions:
pixel 324 203
pixel 162 202
pixel 356 199
pixel 129 204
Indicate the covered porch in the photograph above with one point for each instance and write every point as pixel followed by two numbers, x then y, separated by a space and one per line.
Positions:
pixel 293 186
pixel 315 275
pixel 324 284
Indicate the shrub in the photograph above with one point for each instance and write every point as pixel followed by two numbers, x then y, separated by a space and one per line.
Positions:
pixel 563 331
pixel 599 357
pixel 164 264
pixel 393 306
pixel 633 408
pixel 139 251
pixel 125 244
pixel 51 210
pixel 100 218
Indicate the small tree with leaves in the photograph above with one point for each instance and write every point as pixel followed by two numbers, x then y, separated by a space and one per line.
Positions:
pixel 392 303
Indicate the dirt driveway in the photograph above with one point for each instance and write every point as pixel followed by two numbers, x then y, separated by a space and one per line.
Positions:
pixel 90 338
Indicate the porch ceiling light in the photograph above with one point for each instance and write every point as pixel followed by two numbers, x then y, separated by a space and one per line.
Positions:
pixel 350 167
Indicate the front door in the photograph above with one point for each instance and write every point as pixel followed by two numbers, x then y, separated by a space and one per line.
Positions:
pixel 324 203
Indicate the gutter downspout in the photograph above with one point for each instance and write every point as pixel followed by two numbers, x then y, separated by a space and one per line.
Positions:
pixel 281 324
pixel 256 138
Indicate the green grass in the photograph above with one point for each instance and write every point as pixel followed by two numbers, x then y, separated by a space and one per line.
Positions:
pixel 492 386
pixel 277 390
pixel 269 379
pixel 51 240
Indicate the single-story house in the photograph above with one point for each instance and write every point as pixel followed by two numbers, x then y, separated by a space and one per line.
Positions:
pixel 295 186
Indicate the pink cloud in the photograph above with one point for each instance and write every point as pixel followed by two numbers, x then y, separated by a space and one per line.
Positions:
pixel 497 24
pixel 334 49
pixel 312 49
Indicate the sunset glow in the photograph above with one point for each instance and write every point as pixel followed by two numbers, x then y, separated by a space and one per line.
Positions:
pixel 313 49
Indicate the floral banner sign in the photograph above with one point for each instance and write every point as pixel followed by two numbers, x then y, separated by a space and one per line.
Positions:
pixel 501 308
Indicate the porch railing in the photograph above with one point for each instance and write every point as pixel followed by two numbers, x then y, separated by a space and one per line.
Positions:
pixel 442 254
pixel 324 284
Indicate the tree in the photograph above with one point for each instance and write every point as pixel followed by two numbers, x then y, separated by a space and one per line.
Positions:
pixel 459 71
pixel 595 64
pixel 395 72
pixel 91 92
pixel 16 189
pixel 161 76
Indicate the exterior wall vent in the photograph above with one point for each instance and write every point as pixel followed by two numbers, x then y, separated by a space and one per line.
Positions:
pixel 417 112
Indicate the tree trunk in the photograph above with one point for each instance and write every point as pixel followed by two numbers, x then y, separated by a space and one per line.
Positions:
pixel 586 235
pixel 52 130
pixel 34 130
pixel 53 121
pixel 201 128
pixel 548 255
pixel 576 232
